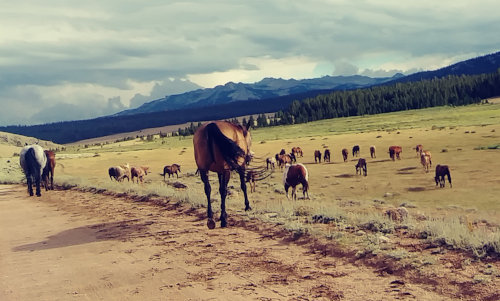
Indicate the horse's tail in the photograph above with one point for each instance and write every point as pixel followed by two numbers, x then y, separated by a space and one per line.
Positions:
pixel 228 148
pixel 32 165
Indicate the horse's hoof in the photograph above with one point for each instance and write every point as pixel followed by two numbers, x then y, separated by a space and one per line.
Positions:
pixel 223 223
pixel 248 208
pixel 210 224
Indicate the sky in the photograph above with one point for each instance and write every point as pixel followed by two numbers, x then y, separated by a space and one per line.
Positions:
pixel 69 60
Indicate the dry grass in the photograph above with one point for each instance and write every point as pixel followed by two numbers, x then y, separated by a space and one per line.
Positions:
pixel 344 207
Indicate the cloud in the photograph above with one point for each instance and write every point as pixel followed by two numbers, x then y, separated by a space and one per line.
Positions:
pixel 56 52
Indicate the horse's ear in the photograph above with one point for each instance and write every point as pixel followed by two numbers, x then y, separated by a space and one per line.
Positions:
pixel 248 125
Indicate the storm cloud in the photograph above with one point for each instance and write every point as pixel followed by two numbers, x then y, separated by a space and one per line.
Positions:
pixel 63 60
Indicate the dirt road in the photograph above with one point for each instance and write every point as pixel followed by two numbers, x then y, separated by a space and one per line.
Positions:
pixel 70 245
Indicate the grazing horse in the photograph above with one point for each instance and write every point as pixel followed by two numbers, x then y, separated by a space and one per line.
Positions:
pixel 345 153
pixel 441 171
pixel 355 151
pixel 297 151
pixel 326 155
pixel 425 160
pixel 372 151
pixel 395 151
pixel 171 170
pixel 220 147
pixel 294 175
pixel 271 161
pixel 419 148
pixel 48 170
pixel 251 178
pixel 138 172
pixel 32 160
pixel 283 160
pixel 119 172
pixel 317 156
pixel 361 166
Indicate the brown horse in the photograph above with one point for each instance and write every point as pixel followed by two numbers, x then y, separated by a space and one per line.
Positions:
pixel 317 156
pixel 294 175
pixel 426 161
pixel 297 151
pixel 372 151
pixel 48 170
pixel 345 153
pixel 419 148
pixel 355 151
pixel 171 170
pixel 441 171
pixel 395 151
pixel 326 155
pixel 220 147
pixel 138 172
pixel 283 160
pixel 361 167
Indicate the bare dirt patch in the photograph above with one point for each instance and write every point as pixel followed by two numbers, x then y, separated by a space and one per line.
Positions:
pixel 98 246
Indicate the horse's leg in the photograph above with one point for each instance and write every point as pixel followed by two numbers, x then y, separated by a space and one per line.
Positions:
pixel 52 180
pixel 223 180
pixel 286 189
pixel 29 180
pixel 244 188
pixel 294 193
pixel 208 190
pixel 37 184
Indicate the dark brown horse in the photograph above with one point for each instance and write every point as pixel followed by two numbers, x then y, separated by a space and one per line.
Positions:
pixel 441 172
pixel 326 155
pixel 361 167
pixel 294 175
pixel 221 146
pixel 171 170
pixel 48 170
pixel 355 151
pixel 419 148
pixel 317 156
pixel 372 151
pixel 345 153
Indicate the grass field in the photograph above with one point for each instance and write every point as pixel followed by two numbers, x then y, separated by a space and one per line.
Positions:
pixel 465 138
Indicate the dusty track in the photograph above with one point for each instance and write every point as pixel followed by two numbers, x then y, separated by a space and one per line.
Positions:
pixel 70 245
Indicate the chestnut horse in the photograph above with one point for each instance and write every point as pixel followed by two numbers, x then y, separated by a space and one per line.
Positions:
pixel 48 170
pixel 395 152
pixel 221 147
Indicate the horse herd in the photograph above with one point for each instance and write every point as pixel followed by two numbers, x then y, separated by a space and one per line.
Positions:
pixel 222 147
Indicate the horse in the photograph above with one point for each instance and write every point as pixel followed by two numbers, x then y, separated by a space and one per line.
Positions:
pixel 283 160
pixel 419 148
pixel 372 152
pixel 293 175
pixel 119 172
pixel 221 146
pixel 48 170
pixel 345 153
pixel 171 170
pixel 428 154
pixel 326 155
pixel 32 159
pixel 297 151
pixel 395 151
pixel 250 177
pixel 361 166
pixel 355 151
pixel 425 160
pixel 271 161
pixel 317 156
pixel 282 151
pixel 441 171
pixel 138 172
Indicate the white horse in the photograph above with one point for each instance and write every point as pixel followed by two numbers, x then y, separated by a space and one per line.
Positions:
pixel 32 159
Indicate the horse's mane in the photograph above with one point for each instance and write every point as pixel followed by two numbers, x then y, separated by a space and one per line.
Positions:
pixel 228 148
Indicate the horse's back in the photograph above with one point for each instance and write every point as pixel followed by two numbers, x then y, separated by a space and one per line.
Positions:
pixel 37 158
pixel 211 149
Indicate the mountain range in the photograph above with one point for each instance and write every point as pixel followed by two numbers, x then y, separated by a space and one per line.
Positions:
pixel 268 88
